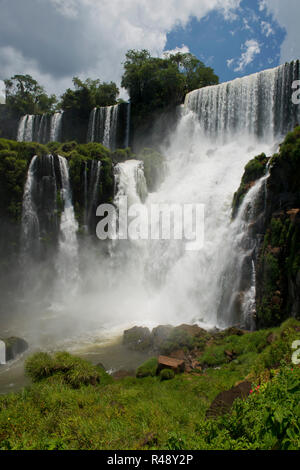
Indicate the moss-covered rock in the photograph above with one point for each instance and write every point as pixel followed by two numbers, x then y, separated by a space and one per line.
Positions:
pixel 254 170
pixel 148 368
pixel 137 338
pixel 166 374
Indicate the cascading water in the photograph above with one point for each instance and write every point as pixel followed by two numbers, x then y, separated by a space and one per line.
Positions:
pixel 67 259
pixel 130 181
pixel 103 126
pixel 30 231
pixel 56 127
pixel 158 281
pixel 260 104
pixel 91 191
pixel 40 128
pixel 220 131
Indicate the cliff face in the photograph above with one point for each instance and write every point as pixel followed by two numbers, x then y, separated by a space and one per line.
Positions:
pixel 277 234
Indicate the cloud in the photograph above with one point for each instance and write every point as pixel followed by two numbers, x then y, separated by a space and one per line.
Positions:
pixel 55 40
pixel 252 48
pixel 266 28
pixel 229 62
pixel 286 13
pixel 183 49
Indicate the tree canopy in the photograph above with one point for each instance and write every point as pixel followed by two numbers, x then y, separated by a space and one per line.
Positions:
pixel 88 94
pixel 25 96
pixel 155 83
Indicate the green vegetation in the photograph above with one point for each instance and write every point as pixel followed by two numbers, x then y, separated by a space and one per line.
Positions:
pixel 25 96
pixel 166 374
pixel 62 368
pixel 15 158
pixel 148 369
pixel 88 95
pixel 156 84
pixel 74 405
pixel 254 170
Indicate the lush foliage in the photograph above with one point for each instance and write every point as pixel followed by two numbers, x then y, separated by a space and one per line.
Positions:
pixel 155 83
pixel 155 413
pixel 87 95
pixel 254 170
pixel 25 96
pixel 64 369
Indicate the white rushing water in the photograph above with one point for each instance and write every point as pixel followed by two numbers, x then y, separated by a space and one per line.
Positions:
pixel 158 281
pixel 103 126
pixel 67 257
pixel 221 129
pixel 40 128
pixel 30 230
pixel 56 127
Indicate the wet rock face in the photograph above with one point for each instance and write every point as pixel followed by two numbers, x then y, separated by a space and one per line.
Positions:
pixel 14 347
pixel 164 338
pixel 137 338
pixel 276 233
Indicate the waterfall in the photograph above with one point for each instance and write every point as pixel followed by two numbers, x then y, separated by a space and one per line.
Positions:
pixel 158 281
pixel 91 190
pixel 130 181
pixel 30 230
pixel 40 128
pixel 56 127
pixel 259 105
pixel 103 126
pixel 67 259
pixel 21 128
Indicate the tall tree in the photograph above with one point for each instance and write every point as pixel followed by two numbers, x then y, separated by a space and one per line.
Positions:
pixel 88 94
pixel 24 95
pixel 158 83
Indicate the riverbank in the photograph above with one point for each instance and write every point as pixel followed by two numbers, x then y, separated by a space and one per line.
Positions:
pixel 74 405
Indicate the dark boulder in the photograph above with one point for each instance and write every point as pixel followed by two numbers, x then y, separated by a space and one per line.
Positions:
pixel 137 338
pixel 223 402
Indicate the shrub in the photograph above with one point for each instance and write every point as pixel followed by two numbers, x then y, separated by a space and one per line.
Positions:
pixel 148 369
pixel 166 374
pixel 64 368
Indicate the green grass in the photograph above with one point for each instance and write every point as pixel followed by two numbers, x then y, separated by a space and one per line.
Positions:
pixel 149 413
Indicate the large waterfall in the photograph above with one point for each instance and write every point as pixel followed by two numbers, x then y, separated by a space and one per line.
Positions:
pixel 158 281
pixel 260 104
pixel 47 183
pixel 40 128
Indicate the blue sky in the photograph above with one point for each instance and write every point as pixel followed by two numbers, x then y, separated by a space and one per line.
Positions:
pixel 221 43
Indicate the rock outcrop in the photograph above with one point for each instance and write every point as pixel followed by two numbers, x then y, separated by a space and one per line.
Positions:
pixel 276 233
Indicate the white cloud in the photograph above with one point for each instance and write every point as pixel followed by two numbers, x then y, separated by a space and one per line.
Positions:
pixel 266 28
pixel 183 50
pixel 56 39
pixel 252 48
pixel 286 13
pixel 229 62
